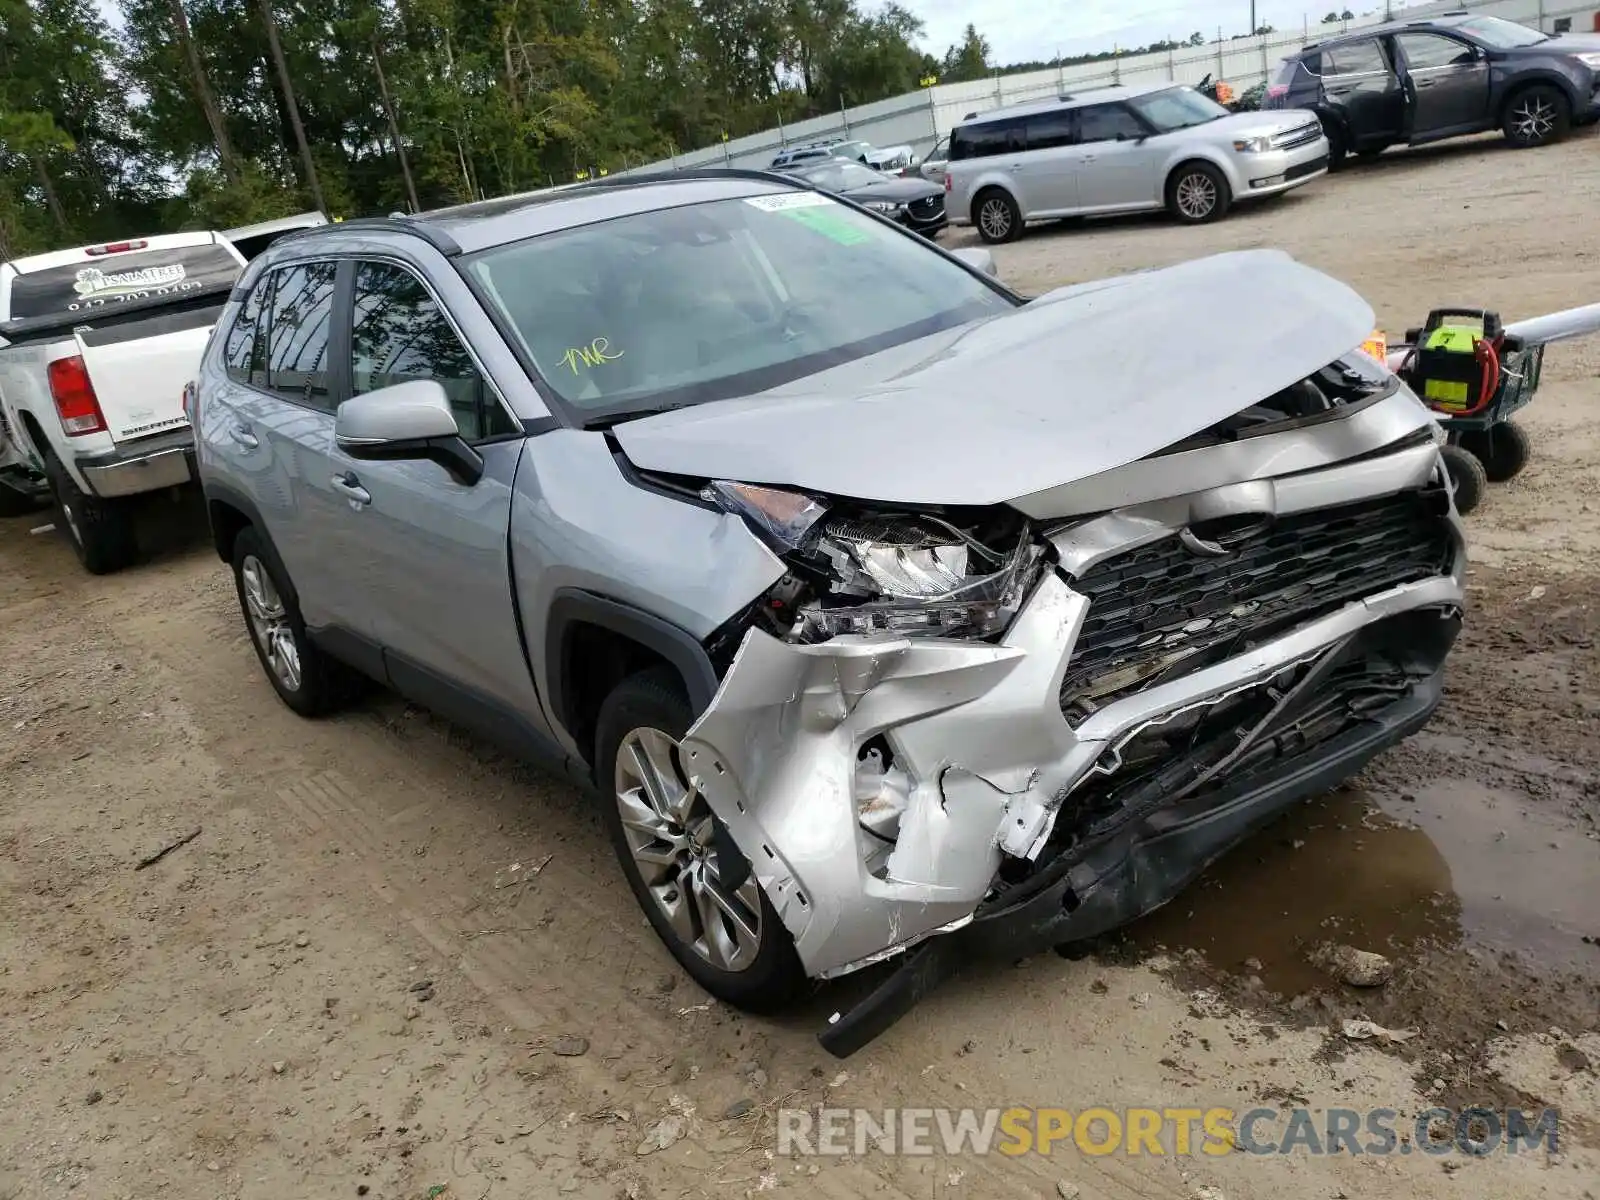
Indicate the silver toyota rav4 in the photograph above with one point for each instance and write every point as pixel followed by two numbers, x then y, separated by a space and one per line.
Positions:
pixel 889 615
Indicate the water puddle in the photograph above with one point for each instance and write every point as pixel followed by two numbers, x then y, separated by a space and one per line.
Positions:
pixel 1459 864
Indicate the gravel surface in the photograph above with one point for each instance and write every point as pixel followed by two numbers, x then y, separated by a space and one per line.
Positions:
pixel 325 993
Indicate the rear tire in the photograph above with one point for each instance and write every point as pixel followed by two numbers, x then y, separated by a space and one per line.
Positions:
pixel 100 532
pixel 671 832
pixel 305 678
pixel 1537 116
pixel 1468 480
pixel 1504 450
pixel 997 216
pixel 1197 193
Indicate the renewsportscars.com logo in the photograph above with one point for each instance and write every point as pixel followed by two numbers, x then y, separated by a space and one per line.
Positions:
pixel 1163 1131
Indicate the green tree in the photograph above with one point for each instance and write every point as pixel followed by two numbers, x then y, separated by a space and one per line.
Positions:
pixel 968 61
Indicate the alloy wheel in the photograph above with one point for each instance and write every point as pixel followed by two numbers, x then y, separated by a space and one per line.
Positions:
pixel 1196 195
pixel 669 831
pixel 269 622
pixel 995 218
pixel 1534 118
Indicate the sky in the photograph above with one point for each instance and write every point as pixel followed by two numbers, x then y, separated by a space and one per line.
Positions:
pixel 1026 30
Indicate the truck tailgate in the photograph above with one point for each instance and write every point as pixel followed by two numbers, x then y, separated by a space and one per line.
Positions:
pixel 139 370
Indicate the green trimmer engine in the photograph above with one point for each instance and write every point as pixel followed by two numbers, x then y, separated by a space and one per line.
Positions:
pixel 1455 363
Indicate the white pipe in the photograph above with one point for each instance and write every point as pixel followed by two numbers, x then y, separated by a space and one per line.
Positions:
pixel 1558 326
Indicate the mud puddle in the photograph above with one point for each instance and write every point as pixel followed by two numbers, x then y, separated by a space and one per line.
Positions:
pixel 1454 864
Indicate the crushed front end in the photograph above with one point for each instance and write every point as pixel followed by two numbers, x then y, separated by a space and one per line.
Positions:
pixel 954 733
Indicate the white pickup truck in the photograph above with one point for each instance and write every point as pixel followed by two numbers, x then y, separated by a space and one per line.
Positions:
pixel 97 347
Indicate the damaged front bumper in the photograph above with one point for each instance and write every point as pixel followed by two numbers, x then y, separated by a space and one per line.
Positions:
pixel 1077 772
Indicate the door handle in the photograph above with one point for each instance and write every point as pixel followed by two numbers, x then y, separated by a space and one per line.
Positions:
pixel 348 486
pixel 1426 83
pixel 243 435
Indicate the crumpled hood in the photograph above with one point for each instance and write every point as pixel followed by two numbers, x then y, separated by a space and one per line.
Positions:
pixel 1077 382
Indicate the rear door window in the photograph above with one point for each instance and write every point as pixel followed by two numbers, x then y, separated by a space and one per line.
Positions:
pixel 1046 131
pixel 985 139
pixel 132 278
pixel 1107 123
pixel 1355 58
pixel 297 345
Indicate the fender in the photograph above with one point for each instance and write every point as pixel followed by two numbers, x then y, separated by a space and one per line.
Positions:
pixel 221 539
pixel 1501 90
pixel 573 606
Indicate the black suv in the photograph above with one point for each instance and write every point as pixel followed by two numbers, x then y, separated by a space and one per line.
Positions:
pixel 1419 81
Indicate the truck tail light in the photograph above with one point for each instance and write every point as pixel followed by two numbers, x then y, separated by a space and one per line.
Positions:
pixel 78 406
pixel 947 179
pixel 188 401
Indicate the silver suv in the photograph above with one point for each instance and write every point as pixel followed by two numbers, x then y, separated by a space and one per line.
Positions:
pixel 885 613
pixel 1124 149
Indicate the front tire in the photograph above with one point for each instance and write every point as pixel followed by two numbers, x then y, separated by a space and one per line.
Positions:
pixel 1468 480
pixel 730 939
pixel 1197 194
pixel 1338 147
pixel 1537 116
pixel 101 532
pixel 305 679
pixel 997 216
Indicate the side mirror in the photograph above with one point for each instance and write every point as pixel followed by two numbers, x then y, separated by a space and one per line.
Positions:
pixel 410 420
pixel 978 260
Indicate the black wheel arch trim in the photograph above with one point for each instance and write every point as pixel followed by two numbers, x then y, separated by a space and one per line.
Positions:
pixel 680 649
pixel 1540 77
pixel 217 493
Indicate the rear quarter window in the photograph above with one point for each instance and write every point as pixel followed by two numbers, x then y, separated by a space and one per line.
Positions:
pixel 104 284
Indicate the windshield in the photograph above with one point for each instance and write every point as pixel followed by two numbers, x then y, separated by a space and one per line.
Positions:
pixel 841 176
pixel 707 301
pixel 850 149
pixel 1500 33
pixel 1177 108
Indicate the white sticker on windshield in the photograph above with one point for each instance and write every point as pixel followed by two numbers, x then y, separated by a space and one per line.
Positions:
pixel 785 200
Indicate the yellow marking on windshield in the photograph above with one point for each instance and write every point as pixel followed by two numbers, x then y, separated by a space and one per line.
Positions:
pixel 593 355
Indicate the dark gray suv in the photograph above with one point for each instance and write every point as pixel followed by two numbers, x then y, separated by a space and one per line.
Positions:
pixel 1420 81
pixel 886 614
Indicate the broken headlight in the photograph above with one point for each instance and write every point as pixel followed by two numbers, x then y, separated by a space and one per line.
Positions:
pixel 855 571
pixel 912 576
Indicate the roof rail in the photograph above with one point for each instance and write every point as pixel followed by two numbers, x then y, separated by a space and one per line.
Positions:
pixel 427 231
pixel 791 182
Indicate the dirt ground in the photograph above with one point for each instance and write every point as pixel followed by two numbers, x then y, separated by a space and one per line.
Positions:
pixel 339 987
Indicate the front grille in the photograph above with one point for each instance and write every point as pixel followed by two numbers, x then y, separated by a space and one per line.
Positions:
pixel 1162 610
pixel 931 206
pixel 1296 138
